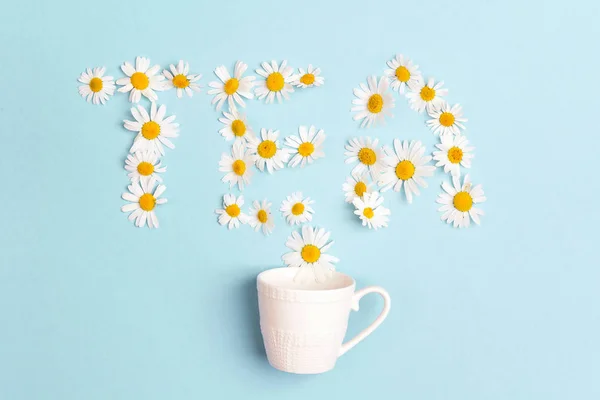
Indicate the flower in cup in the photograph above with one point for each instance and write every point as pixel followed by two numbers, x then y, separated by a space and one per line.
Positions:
pixel 309 254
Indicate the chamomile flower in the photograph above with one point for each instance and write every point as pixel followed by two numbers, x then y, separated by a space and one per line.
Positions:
pixel 308 78
pixel 457 202
pixel 426 95
pixel 141 80
pixel 236 166
pixel 179 77
pixel 296 209
pixel 265 151
pixel 309 254
pixel 260 217
pixel 236 126
pixel 367 153
pixel 446 120
pixel 231 214
pixel 370 210
pixel 356 186
pixel 96 87
pixel 153 131
pixel 231 88
pixel 402 73
pixel 144 199
pixel 406 165
pixel 455 151
pixel 373 102
pixel 306 148
pixel 144 165
pixel 277 83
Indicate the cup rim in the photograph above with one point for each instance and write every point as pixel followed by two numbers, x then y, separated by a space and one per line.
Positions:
pixel 262 281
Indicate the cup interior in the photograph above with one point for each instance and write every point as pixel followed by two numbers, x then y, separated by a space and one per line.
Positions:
pixel 284 278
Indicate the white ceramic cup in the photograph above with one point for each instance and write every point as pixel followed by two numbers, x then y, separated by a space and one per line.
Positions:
pixel 303 324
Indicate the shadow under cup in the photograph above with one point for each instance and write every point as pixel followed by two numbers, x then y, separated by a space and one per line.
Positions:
pixel 303 324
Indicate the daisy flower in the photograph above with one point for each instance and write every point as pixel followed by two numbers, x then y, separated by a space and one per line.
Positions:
pixel 261 217
pixel 277 81
pixel 296 209
pixel 446 120
pixel 356 186
pixel 144 198
pixel 96 87
pixel 368 155
pixel 236 126
pixel 309 254
pixel 144 165
pixel 402 73
pixel 426 95
pixel 308 78
pixel 458 202
pixel 231 88
pixel 180 78
pixel 306 148
pixel 236 166
pixel 370 210
pixel 373 103
pixel 141 80
pixel 406 165
pixel 153 130
pixel 266 151
pixel 231 214
pixel 454 153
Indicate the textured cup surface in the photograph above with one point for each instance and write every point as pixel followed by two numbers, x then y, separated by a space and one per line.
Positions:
pixel 303 325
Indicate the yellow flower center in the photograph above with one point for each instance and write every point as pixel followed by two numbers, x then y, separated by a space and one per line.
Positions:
pixel 447 119
pixel 463 201
pixel 275 82
pixel 239 167
pixel 267 149
pixel 181 81
pixel 307 79
pixel 233 210
pixel 145 168
pixel 367 156
pixel 368 212
pixel 427 93
pixel 150 130
pixel 139 80
pixel 96 85
pixel 238 127
pixel 310 253
pixel 375 104
pixel 261 215
pixel 403 74
pixel 147 202
pixel 455 155
pixel 298 209
pixel 306 149
pixel 360 188
pixel 405 170
pixel 231 86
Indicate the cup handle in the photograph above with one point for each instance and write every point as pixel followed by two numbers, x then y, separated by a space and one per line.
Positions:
pixel 368 330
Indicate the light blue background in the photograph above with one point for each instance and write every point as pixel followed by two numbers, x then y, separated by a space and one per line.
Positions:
pixel 93 308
